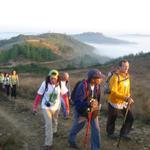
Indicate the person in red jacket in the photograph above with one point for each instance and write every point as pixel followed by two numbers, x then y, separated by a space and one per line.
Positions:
pixel 65 94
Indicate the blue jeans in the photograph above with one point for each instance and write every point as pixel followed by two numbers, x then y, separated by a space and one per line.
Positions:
pixel 95 131
pixel 63 106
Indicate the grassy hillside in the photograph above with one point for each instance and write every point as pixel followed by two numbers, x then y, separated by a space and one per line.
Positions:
pixel 18 120
pixel 28 52
pixel 48 47
pixel 66 42
pixel 139 72
pixel 59 43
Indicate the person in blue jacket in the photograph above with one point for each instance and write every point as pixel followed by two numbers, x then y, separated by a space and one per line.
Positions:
pixel 87 97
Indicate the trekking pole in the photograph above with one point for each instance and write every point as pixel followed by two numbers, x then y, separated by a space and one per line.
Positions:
pixel 86 138
pixel 124 120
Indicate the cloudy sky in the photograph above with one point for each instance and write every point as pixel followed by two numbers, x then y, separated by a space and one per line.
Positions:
pixel 74 16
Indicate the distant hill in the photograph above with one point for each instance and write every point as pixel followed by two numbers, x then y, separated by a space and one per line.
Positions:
pixel 136 35
pixel 43 48
pixel 61 42
pixel 8 35
pixel 98 38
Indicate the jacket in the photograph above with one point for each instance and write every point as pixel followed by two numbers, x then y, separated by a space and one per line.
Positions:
pixel 83 95
pixel 120 88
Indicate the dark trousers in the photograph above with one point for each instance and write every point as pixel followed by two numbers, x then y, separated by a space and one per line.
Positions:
pixel 7 89
pixel 1 86
pixel 112 115
pixel 13 91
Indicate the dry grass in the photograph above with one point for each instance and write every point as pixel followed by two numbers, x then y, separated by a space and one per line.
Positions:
pixel 140 85
pixel 29 84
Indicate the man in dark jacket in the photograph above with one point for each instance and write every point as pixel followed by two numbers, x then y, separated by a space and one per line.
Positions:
pixel 87 99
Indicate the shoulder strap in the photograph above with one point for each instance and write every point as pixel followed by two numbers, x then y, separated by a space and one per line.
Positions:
pixel 108 78
pixel 122 79
pixel 86 87
pixel 117 77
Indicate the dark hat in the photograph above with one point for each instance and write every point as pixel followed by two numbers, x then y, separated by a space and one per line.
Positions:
pixel 94 73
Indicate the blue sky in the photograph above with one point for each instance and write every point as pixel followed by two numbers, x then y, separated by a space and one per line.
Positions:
pixel 74 16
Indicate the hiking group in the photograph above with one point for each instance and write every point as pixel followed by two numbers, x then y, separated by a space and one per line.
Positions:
pixel 54 92
pixel 9 83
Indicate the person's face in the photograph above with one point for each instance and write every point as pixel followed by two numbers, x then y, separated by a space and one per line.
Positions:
pixel 125 67
pixel 96 81
pixel 14 72
pixel 53 80
pixel 66 78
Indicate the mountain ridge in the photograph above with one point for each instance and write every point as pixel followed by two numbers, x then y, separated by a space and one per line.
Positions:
pixel 61 46
pixel 99 38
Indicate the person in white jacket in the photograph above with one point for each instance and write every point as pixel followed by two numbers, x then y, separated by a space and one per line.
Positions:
pixel 49 92
pixel 6 83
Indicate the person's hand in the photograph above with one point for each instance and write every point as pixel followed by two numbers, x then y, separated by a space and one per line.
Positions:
pixel 94 105
pixel 130 101
pixel 34 112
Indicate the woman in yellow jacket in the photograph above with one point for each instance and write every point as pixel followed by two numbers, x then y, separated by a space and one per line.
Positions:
pixel 14 82
pixel 118 100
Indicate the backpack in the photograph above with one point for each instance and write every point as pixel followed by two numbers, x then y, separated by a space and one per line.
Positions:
pixel 73 98
pixel 106 85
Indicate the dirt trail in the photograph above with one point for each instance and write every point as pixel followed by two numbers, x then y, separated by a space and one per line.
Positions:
pixel 21 125
pixel 20 130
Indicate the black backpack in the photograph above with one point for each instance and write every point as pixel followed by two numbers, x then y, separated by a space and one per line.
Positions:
pixel 73 93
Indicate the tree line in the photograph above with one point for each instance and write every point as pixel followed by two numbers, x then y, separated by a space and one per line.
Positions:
pixel 27 51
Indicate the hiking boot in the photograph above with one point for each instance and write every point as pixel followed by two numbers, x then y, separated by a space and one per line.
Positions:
pixel 126 137
pixel 66 118
pixel 112 136
pixel 73 145
pixel 55 134
pixel 132 129
pixel 47 147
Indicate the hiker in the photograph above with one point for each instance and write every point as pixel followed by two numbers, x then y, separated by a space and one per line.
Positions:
pixel 14 82
pixel 6 83
pixel 119 99
pixel 1 81
pixel 87 100
pixel 49 92
pixel 65 94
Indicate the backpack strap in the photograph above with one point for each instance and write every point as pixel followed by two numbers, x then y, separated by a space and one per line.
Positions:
pixel 122 79
pixel 109 77
pixel 98 93
pixel 85 83
pixel 87 92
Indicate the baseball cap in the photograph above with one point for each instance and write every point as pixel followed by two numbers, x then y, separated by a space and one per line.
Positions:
pixel 53 73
